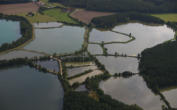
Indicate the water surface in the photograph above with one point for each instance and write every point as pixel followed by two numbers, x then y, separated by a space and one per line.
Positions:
pixel 57 40
pixel 146 37
pixel 106 36
pixel 119 64
pixel 25 88
pixel 132 90
pixel 19 54
pixel 50 24
pixel 51 65
pixel 9 31
pixel 171 96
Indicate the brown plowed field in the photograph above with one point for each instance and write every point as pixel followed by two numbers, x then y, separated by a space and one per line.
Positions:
pixel 18 8
pixel 86 16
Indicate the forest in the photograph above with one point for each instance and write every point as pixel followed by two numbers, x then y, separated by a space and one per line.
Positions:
pixel 81 101
pixel 146 6
pixel 113 20
pixel 158 64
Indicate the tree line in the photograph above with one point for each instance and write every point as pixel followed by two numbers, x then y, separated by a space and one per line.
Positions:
pixel 81 101
pixel 26 30
pixel 158 64
pixel 147 6
pixel 113 20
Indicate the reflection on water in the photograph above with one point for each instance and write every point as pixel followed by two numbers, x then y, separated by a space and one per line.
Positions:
pixel 106 36
pixel 9 31
pixel 24 88
pixel 146 37
pixel 51 65
pixel 171 96
pixel 79 70
pixel 58 40
pixel 18 54
pixel 94 49
pixel 119 64
pixel 50 24
pixel 132 90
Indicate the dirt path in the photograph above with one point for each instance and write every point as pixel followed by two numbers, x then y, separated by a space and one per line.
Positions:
pixel 86 16
pixel 12 9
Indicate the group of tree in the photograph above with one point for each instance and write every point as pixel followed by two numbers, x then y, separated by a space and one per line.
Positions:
pixel 148 6
pixel 25 29
pixel 81 101
pixel 113 20
pixel 158 66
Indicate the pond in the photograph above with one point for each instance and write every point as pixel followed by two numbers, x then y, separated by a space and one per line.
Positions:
pixel 146 37
pixel 10 31
pixel 57 40
pixel 51 65
pixel 25 88
pixel 132 90
pixel 78 70
pixel 19 54
pixel 95 49
pixel 171 97
pixel 119 64
pixel 106 36
pixel 47 25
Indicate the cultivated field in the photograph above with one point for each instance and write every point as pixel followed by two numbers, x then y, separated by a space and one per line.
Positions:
pixel 18 8
pixel 86 16
pixel 167 17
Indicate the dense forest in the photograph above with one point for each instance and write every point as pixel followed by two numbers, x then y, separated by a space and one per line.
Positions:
pixel 148 6
pixel 113 20
pixel 158 64
pixel 14 1
pixel 81 101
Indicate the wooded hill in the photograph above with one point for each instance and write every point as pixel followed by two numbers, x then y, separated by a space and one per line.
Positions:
pixel 148 6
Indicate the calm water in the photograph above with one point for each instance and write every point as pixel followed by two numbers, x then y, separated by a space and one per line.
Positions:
pixel 19 54
pixel 24 88
pixel 59 40
pixel 106 36
pixel 50 24
pixel 51 65
pixel 95 49
pixel 171 96
pixel 9 31
pixel 132 90
pixel 79 70
pixel 146 37
pixel 119 64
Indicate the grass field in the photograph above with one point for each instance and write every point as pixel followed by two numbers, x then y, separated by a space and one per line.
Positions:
pixel 167 17
pixel 50 15
pixel 47 3
pixel 59 15
pixel 39 18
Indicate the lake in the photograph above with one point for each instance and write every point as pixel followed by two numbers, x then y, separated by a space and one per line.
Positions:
pixel 25 88
pixel 19 54
pixel 57 40
pixel 146 37
pixel 10 31
pixel 132 90
pixel 171 97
